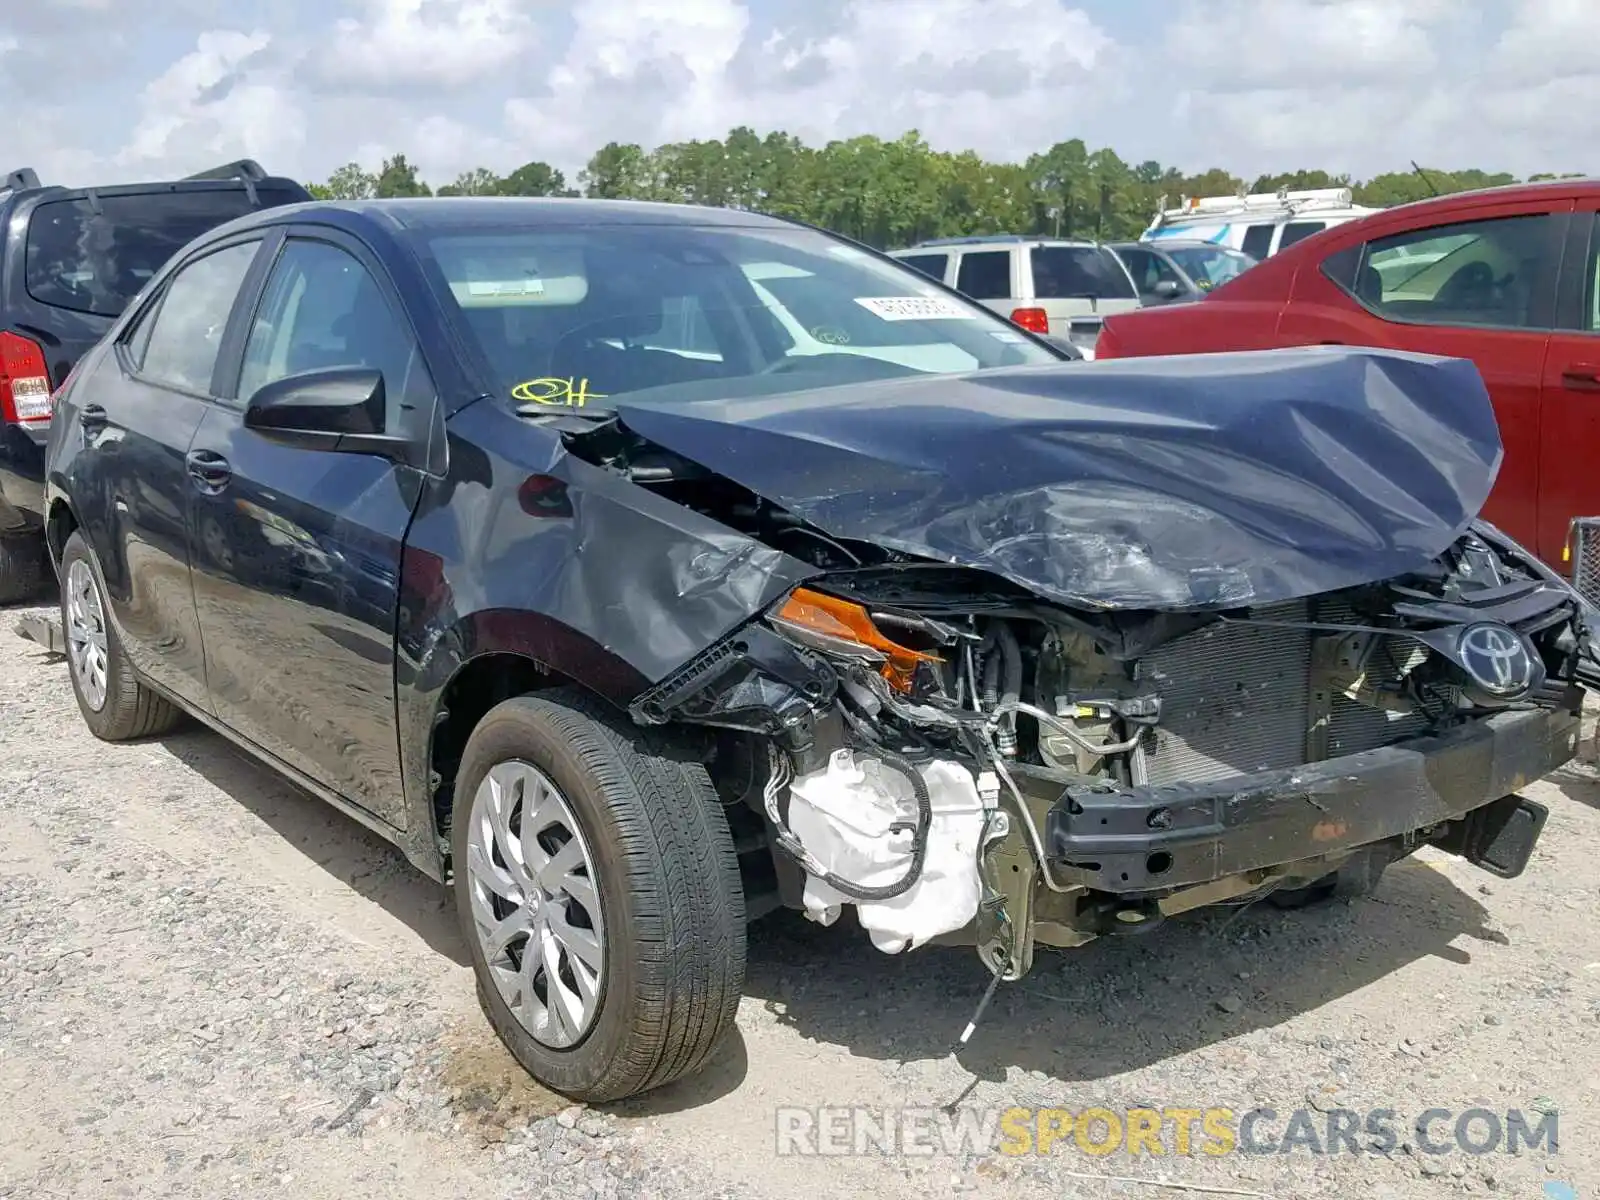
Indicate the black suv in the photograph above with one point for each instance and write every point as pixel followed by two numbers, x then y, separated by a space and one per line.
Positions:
pixel 70 261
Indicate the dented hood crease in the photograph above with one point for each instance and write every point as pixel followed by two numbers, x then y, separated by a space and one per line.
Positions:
pixel 1205 481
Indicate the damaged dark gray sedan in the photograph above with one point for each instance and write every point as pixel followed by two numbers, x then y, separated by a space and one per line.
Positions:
pixel 641 570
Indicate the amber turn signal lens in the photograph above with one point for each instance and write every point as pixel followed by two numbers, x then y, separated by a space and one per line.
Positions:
pixel 843 621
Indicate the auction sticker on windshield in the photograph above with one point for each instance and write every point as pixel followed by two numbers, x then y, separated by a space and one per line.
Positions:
pixel 915 308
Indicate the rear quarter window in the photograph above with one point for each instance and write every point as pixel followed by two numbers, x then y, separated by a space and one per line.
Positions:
pixel 94 254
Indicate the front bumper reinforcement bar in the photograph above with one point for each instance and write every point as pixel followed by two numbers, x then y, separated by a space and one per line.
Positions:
pixel 1139 840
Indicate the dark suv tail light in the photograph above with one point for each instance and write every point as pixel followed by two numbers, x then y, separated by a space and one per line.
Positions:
pixel 24 381
pixel 1035 320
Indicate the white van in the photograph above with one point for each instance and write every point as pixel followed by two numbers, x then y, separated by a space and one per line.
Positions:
pixel 1261 223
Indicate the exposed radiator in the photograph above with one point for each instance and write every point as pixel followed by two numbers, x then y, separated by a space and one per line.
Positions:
pixel 1237 699
pixel 1585 551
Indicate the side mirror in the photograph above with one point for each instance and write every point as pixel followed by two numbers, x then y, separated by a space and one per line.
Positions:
pixel 1167 289
pixel 341 409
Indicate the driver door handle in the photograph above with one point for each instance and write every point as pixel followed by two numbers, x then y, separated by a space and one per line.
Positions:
pixel 209 470
pixel 1582 376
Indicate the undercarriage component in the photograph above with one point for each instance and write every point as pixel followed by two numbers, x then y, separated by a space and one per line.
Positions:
pixel 856 824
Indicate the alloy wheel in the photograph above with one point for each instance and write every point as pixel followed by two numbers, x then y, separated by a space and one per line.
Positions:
pixel 535 903
pixel 86 634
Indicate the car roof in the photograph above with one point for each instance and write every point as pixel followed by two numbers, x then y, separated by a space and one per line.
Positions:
pixel 1500 194
pixel 1171 243
pixel 997 239
pixel 467 212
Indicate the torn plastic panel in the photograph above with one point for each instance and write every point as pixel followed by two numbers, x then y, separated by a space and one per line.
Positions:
pixel 1210 481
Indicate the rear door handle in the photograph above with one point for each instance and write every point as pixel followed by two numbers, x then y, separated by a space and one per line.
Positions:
pixel 1581 376
pixel 209 470
pixel 92 417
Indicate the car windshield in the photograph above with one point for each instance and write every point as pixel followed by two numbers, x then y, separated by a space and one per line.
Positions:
pixel 1210 266
pixel 573 316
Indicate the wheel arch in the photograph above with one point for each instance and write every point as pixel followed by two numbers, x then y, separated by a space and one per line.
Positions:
pixel 489 657
pixel 59 524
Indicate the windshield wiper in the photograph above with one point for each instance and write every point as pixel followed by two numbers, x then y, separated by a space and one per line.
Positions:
pixel 556 412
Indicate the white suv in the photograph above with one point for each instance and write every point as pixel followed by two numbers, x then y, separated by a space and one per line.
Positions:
pixel 1048 285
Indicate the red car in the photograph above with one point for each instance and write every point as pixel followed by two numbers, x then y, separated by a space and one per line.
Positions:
pixel 1505 277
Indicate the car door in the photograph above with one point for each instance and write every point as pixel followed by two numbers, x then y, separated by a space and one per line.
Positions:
pixel 296 550
pixel 1480 285
pixel 138 414
pixel 1569 425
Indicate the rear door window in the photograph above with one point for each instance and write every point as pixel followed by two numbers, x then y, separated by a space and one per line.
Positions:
pixel 93 254
pixel 1258 240
pixel 985 274
pixel 178 346
pixel 1296 231
pixel 1073 272
pixel 931 265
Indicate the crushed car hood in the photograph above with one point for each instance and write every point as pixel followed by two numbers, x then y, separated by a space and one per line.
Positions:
pixel 1218 480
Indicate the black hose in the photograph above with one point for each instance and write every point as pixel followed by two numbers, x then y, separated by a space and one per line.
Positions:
pixel 991 669
pixel 920 831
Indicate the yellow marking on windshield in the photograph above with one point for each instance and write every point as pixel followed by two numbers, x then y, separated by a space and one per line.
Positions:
pixel 568 392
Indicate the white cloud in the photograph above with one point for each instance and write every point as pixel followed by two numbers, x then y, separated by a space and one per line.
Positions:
pixel 1254 85
pixel 1365 86
pixel 968 72
pixel 1228 46
pixel 220 101
pixel 426 43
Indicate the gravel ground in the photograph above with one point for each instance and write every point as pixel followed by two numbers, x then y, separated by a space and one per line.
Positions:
pixel 212 985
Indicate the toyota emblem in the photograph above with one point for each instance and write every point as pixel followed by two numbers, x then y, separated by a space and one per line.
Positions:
pixel 1497 659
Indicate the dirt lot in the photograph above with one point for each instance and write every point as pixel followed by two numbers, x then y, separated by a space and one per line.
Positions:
pixel 211 985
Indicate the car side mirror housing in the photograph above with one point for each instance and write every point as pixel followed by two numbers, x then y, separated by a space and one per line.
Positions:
pixel 1167 289
pixel 342 409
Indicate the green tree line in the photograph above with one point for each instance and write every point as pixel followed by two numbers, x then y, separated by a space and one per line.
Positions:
pixel 894 193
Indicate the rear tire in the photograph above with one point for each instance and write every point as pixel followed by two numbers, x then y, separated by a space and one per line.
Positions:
pixel 658 863
pixel 116 706
pixel 23 563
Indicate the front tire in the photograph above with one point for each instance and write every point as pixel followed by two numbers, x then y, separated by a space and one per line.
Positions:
pixel 116 706
pixel 598 892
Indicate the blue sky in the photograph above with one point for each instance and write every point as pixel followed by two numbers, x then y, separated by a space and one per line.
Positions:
pixel 93 89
